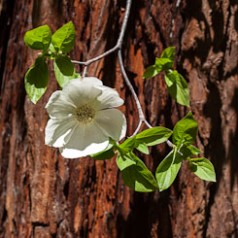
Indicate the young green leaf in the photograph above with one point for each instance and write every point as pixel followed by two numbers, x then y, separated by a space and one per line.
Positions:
pixel 168 169
pixel 64 70
pixel 65 65
pixel 63 38
pixel 125 160
pixel 128 145
pixel 62 79
pixel 51 48
pixel 163 64
pixel 138 177
pixel 143 148
pixel 177 87
pixel 189 150
pixel 185 130
pixel 203 168
pixel 168 53
pixel 149 137
pixel 38 38
pixel 151 71
pixel 36 79
pixel 153 136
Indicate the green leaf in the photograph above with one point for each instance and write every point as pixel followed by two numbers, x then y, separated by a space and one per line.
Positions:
pixel 63 38
pixel 138 177
pixel 163 64
pixel 65 65
pixel 143 148
pixel 61 78
pixel 168 169
pixel 153 136
pixel 125 160
pixel 36 79
pixel 149 137
pixel 168 53
pixel 64 70
pixel 104 155
pixel 128 145
pixel 189 150
pixel 203 168
pixel 177 87
pixel 185 130
pixel 38 38
pixel 151 71
pixel 51 48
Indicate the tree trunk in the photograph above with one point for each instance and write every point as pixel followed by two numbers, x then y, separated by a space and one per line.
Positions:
pixel 44 195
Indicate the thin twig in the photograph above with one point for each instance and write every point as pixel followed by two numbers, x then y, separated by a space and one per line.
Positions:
pixel 84 71
pixel 170 144
pixel 129 85
pixel 119 41
pixel 137 128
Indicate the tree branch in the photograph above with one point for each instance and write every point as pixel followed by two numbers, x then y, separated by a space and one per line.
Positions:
pixel 129 85
pixel 119 41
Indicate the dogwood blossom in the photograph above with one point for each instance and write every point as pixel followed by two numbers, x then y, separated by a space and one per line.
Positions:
pixel 83 118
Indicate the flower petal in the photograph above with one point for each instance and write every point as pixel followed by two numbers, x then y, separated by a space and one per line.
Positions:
pixel 59 106
pixel 112 122
pixel 74 137
pixel 82 91
pixel 109 98
pixel 83 141
pixel 57 130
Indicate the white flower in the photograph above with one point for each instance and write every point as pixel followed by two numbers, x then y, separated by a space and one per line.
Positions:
pixel 83 118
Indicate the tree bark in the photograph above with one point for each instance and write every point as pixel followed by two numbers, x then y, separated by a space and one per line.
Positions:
pixel 44 195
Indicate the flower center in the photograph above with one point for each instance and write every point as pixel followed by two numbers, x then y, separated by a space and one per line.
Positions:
pixel 85 114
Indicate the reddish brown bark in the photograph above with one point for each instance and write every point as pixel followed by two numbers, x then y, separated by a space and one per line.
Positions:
pixel 44 195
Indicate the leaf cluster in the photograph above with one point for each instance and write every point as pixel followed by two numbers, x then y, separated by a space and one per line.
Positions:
pixel 176 84
pixel 136 174
pixel 52 47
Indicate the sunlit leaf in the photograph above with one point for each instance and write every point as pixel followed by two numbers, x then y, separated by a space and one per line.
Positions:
pixel 138 177
pixel 185 130
pixel 36 79
pixel 163 64
pixel 128 145
pixel 64 70
pixel 63 38
pixel 51 48
pixel 125 160
pixel 143 148
pixel 151 71
pixel 65 65
pixel 38 38
pixel 154 136
pixel 177 87
pixel 189 150
pixel 168 169
pixel 203 168
pixel 168 53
